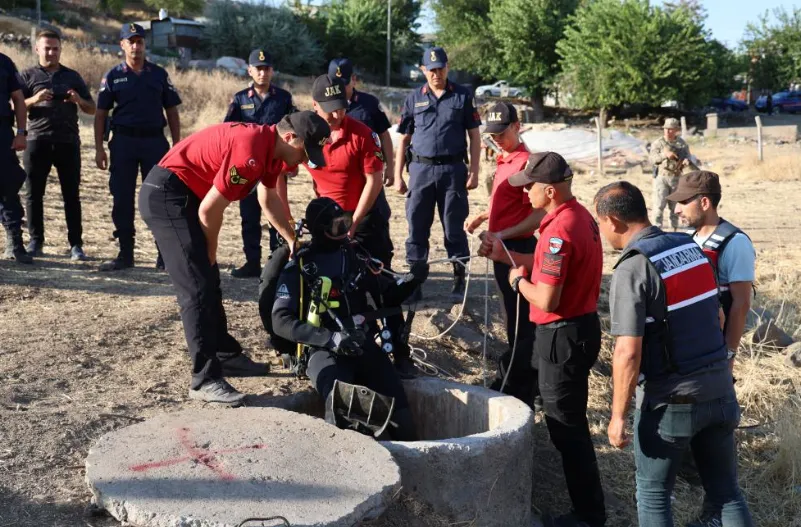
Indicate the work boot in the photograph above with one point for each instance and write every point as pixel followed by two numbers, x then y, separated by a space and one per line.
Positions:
pixel 458 280
pixel 15 250
pixel 217 391
pixel 249 270
pixel 244 366
pixel 124 259
pixel 34 248
pixel 77 254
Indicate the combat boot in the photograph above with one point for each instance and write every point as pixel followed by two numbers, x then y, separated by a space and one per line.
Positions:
pixel 458 281
pixel 124 259
pixel 15 250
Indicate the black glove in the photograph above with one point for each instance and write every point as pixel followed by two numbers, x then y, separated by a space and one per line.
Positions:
pixel 348 342
pixel 419 270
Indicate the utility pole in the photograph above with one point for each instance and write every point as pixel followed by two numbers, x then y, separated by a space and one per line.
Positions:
pixel 39 12
pixel 389 40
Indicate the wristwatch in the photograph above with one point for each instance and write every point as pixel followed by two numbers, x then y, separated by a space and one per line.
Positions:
pixel 22 131
pixel 731 353
pixel 516 283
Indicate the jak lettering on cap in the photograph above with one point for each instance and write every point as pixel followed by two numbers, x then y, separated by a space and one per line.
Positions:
pixel 499 117
pixel 329 93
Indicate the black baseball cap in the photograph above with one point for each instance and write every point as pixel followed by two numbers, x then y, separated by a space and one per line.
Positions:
pixel 131 30
pixel 329 93
pixel 435 58
pixel 499 117
pixel 259 57
pixel 694 183
pixel 314 132
pixel 341 69
pixel 543 167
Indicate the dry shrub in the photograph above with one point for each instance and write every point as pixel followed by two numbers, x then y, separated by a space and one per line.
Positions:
pixel 782 167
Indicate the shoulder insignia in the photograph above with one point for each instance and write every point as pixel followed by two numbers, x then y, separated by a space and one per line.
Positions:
pixel 283 292
pixel 555 245
pixel 235 178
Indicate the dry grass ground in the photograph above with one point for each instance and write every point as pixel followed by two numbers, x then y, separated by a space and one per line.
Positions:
pixel 83 353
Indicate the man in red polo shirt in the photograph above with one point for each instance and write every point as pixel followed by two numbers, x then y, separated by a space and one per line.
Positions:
pixel 353 171
pixel 563 290
pixel 512 220
pixel 183 200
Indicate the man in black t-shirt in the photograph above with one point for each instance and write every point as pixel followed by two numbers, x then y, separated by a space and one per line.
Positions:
pixel 53 94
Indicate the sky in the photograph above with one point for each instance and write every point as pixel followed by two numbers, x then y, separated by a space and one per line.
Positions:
pixel 725 18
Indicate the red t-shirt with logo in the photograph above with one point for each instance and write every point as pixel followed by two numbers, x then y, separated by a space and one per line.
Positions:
pixel 354 153
pixel 569 253
pixel 233 157
pixel 509 205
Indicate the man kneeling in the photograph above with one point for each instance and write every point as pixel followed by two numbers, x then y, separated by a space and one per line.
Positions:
pixel 321 304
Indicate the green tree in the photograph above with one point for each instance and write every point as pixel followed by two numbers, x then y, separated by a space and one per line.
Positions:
pixel 365 22
pixel 627 51
pixel 237 28
pixel 526 33
pixel 775 49
pixel 177 8
pixel 464 32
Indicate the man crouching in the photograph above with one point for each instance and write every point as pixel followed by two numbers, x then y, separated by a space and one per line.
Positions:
pixel 329 300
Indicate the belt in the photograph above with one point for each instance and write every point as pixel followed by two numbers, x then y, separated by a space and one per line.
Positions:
pixel 137 132
pixel 682 399
pixel 567 321
pixel 439 160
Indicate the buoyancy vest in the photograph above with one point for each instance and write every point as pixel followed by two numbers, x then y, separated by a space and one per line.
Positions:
pixel 689 337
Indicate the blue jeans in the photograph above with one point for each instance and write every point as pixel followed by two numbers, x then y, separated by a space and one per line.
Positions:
pixel 661 435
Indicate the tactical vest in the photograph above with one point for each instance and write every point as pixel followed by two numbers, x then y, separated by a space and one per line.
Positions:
pixel 713 248
pixel 689 337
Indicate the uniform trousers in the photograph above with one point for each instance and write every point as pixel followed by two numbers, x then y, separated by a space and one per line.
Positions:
pixel 40 157
pixel 522 379
pixel 170 211
pixel 12 178
pixel 443 187
pixel 130 156
pixel 564 352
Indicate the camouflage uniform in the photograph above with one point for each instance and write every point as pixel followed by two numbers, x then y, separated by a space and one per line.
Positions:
pixel 666 176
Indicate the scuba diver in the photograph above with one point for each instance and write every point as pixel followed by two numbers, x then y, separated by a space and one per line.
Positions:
pixel 333 301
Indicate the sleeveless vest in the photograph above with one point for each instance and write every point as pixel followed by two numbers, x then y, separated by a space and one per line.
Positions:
pixel 689 337
pixel 713 248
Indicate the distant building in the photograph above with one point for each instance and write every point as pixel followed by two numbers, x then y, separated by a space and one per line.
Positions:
pixel 174 33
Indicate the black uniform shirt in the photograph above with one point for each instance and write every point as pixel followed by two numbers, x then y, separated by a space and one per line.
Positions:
pixel 56 120
pixel 8 84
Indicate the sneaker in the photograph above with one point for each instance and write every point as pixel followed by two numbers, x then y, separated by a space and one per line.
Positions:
pixel 249 270
pixel 77 254
pixel 217 391
pixel 160 264
pixel 406 368
pixel 117 264
pixel 243 366
pixel 35 248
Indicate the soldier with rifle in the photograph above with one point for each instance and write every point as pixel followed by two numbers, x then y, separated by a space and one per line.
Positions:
pixel 670 156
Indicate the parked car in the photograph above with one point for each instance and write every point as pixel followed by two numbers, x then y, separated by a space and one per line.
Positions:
pixel 728 105
pixel 499 89
pixel 783 102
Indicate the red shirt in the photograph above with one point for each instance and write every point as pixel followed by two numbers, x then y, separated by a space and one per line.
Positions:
pixel 509 205
pixel 233 157
pixel 569 253
pixel 356 152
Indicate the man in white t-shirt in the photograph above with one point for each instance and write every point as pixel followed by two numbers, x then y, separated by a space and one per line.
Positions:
pixel 731 251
